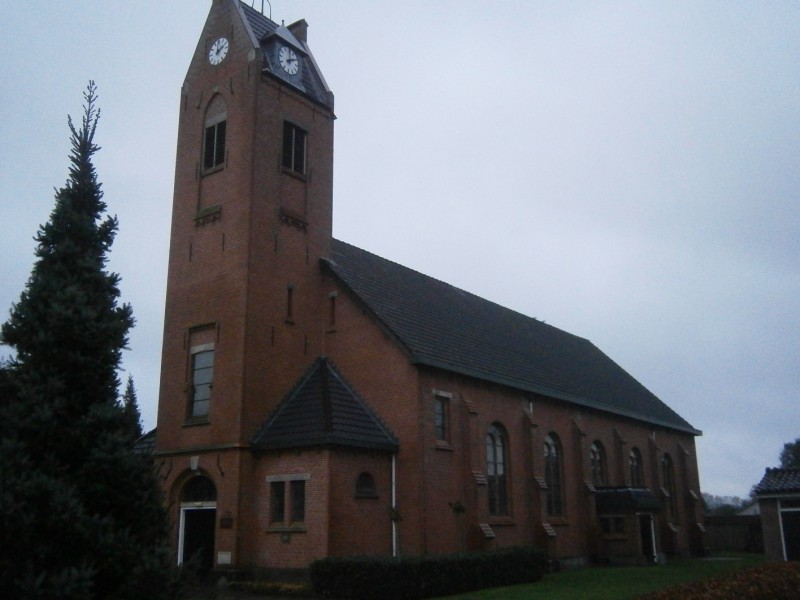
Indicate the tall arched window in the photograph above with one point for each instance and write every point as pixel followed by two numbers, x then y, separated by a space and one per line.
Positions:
pixel 496 470
pixel 597 461
pixel 635 466
pixel 668 481
pixel 553 475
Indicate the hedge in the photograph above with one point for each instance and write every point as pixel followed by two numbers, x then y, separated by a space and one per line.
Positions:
pixel 410 578
pixel 777 581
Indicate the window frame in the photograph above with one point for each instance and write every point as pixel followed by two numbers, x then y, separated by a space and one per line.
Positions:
pixel 214 143
pixel 194 353
pixel 497 469
pixel 554 475
pixel 366 486
pixel 598 463
pixel 288 501
pixel 294 155
pixel 441 417
pixel 636 468
pixel 668 483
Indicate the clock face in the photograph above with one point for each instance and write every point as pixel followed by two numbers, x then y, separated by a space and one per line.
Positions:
pixel 218 52
pixel 288 60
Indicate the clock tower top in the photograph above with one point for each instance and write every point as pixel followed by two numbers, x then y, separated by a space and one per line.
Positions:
pixel 286 55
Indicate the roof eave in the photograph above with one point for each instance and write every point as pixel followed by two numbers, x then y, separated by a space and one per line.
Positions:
pixel 326 443
pixel 552 393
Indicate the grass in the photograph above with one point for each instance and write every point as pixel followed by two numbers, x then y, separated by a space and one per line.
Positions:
pixel 615 583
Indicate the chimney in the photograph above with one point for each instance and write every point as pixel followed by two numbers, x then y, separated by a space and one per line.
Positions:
pixel 299 30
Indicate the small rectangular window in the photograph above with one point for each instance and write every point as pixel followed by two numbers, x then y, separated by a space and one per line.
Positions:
pixel 440 408
pixel 277 501
pixel 214 146
pixel 289 302
pixel 294 148
pixel 298 491
pixel 332 310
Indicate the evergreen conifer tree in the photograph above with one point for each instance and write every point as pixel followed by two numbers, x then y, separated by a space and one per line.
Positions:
pixel 130 406
pixel 81 513
pixel 790 455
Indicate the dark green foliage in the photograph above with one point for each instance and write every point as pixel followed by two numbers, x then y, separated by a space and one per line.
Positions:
pixel 130 407
pixel 790 455
pixel 408 578
pixel 82 514
pixel 778 581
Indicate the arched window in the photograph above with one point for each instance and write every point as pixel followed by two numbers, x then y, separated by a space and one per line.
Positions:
pixel 552 475
pixel 668 481
pixel 635 466
pixel 199 489
pixel 597 461
pixel 496 470
pixel 214 135
pixel 365 486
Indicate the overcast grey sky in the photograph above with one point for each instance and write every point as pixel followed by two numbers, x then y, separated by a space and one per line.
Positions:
pixel 626 171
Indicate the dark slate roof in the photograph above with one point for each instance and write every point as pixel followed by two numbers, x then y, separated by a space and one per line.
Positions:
pixel 779 481
pixel 146 444
pixel 625 499
pixel 442 326
pixel 261 25
pixel 324 410
pixel 309 81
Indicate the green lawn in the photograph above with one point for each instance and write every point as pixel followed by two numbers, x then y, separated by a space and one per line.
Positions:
pixel 614 583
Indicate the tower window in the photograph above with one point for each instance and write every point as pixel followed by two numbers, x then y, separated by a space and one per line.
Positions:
pixel 214 146
pixel 332 310
pixel 289 303
pixel 202 378
pixel 294 148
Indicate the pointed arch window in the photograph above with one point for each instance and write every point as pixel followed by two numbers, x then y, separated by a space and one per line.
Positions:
pixel 597 462
pixel 553 469
pixel 668 481
pixel 635 468
pixel 496 470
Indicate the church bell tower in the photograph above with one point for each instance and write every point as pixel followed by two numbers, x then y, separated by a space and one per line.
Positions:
pixel 251 218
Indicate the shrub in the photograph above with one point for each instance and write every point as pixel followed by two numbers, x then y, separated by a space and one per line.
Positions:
pixel 778 581
pixel 409 578
pixel 273 588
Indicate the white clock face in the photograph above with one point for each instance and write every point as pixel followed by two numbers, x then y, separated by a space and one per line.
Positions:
pixel 218 52
pixel 288 60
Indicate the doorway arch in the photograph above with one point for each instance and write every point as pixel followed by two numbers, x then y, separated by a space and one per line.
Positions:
pixel 197 525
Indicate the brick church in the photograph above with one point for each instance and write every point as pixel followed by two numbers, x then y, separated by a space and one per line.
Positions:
pixel 318 400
